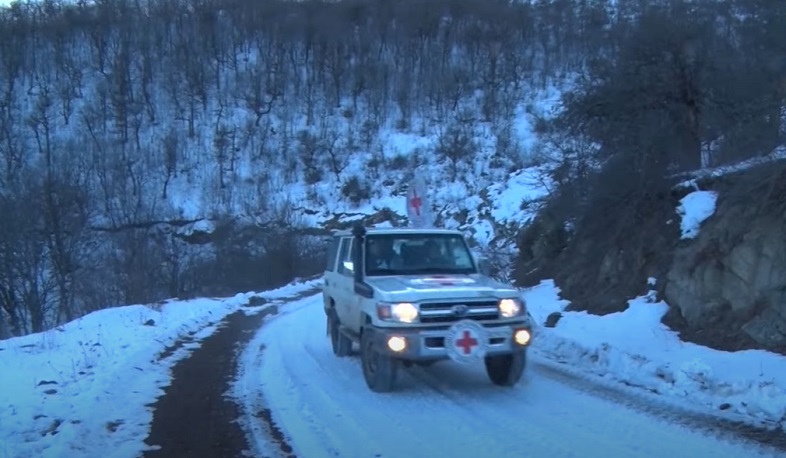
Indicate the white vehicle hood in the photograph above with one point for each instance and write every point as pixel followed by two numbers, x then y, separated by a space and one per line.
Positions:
pixel 412 288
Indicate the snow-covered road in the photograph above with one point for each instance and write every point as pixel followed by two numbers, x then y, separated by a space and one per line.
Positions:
pixel 323 407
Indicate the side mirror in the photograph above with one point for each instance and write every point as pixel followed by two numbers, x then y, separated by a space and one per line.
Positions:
pixel 484 266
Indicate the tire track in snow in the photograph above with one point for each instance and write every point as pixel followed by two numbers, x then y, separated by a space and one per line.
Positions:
pixel 311 410
pixel 264 436
pixel 514 413
pixel 662 407
pixel 767 441
pixel 482 402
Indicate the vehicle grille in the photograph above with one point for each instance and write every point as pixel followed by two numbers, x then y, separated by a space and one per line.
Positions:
pixel 446 312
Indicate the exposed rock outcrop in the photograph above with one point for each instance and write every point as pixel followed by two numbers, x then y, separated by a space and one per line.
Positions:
pixel 727 287
pixel 607 259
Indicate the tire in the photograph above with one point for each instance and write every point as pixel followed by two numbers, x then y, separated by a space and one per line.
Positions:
pixel 342 345
pixel 379 370
pixel 506 370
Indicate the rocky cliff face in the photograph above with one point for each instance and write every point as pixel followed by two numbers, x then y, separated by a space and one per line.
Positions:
pixel 726 288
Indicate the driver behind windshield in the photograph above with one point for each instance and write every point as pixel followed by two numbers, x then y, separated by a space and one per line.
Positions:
pixel 434 256
pixel 381 254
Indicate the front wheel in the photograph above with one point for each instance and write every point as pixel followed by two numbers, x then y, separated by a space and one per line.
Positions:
pixel 506 370
pixel 379 369
pixel 342 345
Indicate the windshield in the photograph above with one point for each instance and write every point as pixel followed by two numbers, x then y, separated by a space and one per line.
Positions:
pixel 412 254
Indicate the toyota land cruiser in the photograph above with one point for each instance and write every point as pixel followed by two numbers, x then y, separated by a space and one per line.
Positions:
pixel 416 296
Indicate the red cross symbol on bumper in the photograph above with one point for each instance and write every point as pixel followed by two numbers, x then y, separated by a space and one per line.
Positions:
pixel 466 342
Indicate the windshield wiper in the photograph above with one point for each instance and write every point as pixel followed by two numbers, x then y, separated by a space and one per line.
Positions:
pixel 384 272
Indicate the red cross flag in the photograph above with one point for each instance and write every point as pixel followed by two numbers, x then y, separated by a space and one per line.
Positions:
pixel 418 210
pixel 416 202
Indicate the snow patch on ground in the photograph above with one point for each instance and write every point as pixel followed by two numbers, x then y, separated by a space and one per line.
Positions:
pixel 82 389
pixel 511 201
pixel 694 209
pixel 634 347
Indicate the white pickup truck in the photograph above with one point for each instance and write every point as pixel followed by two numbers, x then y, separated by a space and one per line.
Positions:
pixel 416 296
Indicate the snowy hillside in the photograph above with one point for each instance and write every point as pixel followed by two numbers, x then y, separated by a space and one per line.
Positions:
pixel 169 147
pixel 481 193
pixel 196 123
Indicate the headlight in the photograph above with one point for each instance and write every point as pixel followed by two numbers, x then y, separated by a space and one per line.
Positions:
pixel 509 308
pixel 522 336
pixel 402 311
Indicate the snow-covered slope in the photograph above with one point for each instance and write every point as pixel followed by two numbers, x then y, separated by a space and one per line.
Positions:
pixel 83 389
pixel 466 190
pixel 634 348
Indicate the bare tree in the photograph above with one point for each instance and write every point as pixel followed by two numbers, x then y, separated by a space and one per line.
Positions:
pixel 25 285
pixel 457 143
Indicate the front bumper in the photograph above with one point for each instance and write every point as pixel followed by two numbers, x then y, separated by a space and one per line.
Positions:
pixel 428 344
